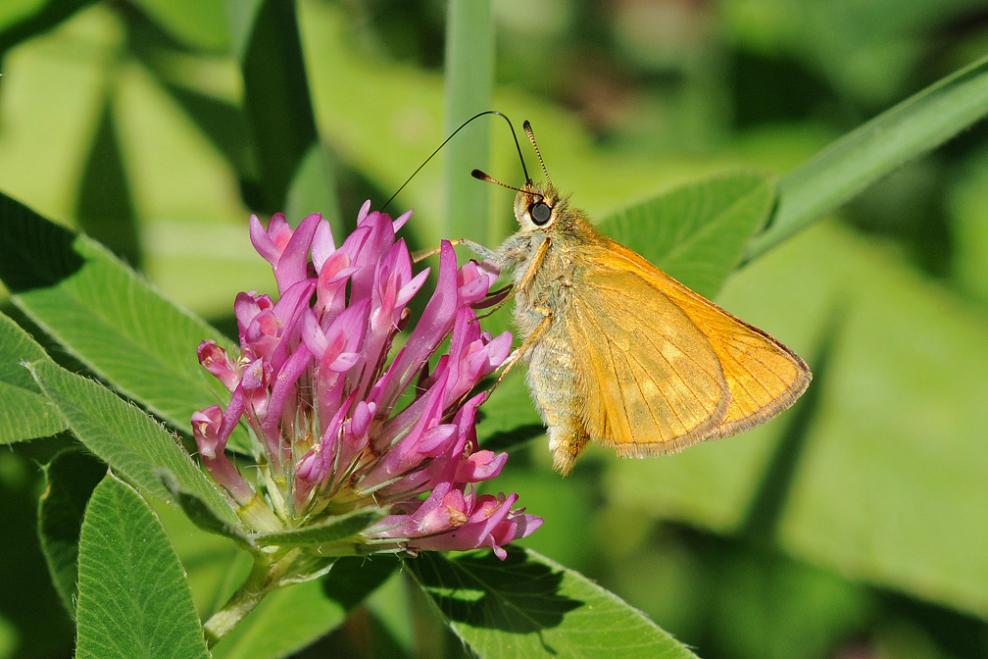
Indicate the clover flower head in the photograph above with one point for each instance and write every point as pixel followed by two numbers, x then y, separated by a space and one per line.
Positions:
pixel 337 423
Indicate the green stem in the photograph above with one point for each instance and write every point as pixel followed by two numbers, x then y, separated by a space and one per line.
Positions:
pixel 264 576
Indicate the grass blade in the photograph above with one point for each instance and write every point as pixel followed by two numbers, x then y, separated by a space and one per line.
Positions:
pixel 469 81
pixel 857 160
pixel 277 103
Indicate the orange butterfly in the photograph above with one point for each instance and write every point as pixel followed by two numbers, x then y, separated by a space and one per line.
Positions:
pixel 622 353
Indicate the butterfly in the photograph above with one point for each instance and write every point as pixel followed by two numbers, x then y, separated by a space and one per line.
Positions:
pixel 620 352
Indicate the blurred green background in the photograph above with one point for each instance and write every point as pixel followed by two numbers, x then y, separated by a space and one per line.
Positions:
pixel 855 526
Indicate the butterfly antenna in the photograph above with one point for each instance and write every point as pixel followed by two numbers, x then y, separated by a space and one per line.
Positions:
pixel 425 162
pixel 484 176
pixel 535 145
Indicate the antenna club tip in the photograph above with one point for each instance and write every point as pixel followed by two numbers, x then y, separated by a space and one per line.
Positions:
pixel 478 174
pixel 527 125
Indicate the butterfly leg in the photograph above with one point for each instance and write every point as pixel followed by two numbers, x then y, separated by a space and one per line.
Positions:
pixel 534 266
pixel 497 299
pixel 510 291
pixel 530 341
pixel 424 254
pixel 483 252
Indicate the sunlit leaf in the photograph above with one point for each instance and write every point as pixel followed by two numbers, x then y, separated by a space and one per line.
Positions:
pixel 132 443
pixel 105 315
pixel 133 597
pixel 528 606
pixel 25 413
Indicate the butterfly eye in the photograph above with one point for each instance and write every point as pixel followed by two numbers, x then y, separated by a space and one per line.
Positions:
pixel 540 212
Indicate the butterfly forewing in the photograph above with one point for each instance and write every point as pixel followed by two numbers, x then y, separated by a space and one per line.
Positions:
pixel 664 367
pixel 651 380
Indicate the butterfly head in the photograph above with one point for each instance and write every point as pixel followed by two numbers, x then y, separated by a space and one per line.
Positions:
pixel 537 207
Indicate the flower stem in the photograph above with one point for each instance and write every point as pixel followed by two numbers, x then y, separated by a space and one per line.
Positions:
pixel 264 577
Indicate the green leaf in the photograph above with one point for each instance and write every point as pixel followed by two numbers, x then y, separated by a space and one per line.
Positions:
pixel 529 606
pixel 133 597
pixel 106 316
pixel 469 83
pixel 70 479
pixel 276 96
pixel 200 512
pixel 291 618
pixel 131 442
pixel 696 232
pixel 104 204
pixel 216 566
pixel 46 15
pixel 201 24
pixel 327 531
pixel 887 482
pixel 25 413
pixel 313 190
pixel 860 158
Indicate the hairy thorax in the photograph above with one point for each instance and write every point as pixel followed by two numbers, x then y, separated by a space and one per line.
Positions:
pixel 548 291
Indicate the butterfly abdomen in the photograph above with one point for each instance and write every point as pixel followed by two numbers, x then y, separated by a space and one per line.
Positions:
pixel 557 395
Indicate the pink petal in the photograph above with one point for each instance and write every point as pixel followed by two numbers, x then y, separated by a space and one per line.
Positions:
pixel 214 359
pixel 436 321
pixel 262 242
pixel 363 414
pixel 401 220
pixel 344 362
pixel 364 210
pixel 481 466
pixel 312 334
pixel 292 265
pixel 322 244
pixel 409 290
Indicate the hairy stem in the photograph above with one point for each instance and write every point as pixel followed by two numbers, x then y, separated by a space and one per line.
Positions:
pixel 264 576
